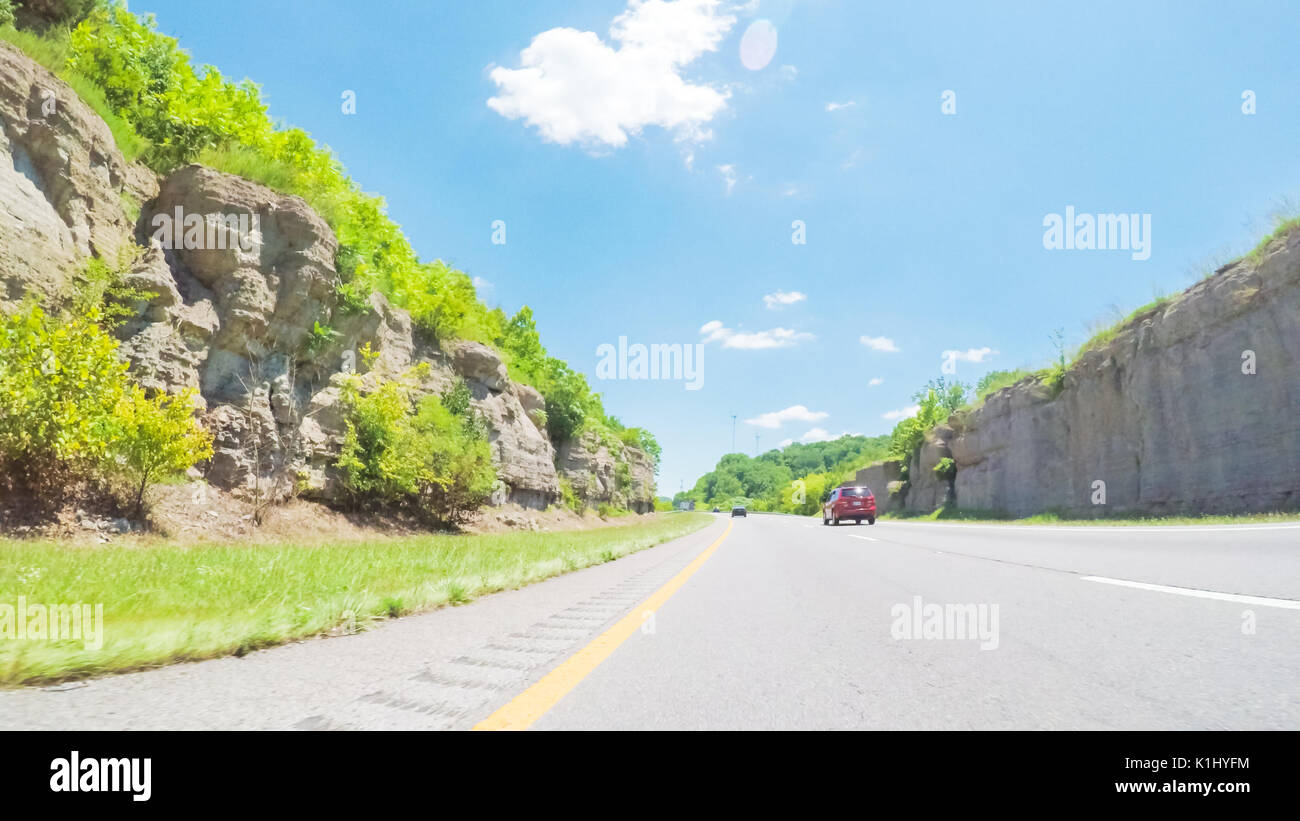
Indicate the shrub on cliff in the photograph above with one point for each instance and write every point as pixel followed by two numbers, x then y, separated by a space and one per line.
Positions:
pixel 420 455
pixel 68 412
pixel 934 404
pixel 156 437
pixel 571 406
pixel 60 382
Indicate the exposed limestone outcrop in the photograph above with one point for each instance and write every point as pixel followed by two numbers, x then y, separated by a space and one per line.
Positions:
pixel 1163 414
pixel 65 188
pixel 523 454
pixel 238 321
pixel 243 306
pixel 608 473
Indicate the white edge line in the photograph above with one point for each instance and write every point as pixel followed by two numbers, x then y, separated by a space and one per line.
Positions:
pixel 1258 601
pixel 866 538
pixel 1108 528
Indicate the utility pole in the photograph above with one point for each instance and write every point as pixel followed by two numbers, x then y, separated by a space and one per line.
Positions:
pixel 733 433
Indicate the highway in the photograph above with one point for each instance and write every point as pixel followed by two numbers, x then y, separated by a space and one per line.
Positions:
pixel 777 622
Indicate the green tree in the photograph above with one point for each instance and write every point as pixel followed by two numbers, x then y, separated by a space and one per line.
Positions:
pixel 60 383
pixel 156 437
pixel 951 397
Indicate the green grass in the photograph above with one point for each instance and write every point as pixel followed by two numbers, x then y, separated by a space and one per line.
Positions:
pixel 1284 224
pixel 996 381
pixel 1103 337
pixel 50 50
pixel 1056 518
pixel 171 603
pixel 242 161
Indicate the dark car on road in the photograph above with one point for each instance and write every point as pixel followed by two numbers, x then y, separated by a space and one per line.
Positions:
pixel 856 503
pixel 738 510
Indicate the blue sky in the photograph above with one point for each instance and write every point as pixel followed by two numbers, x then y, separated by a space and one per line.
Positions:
pixel 649 178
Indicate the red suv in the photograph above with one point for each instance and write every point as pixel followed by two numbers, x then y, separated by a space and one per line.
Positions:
pixel 856 503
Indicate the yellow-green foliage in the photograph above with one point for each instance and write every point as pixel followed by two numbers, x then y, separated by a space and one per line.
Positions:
pixel 156 437
pixel 52 50
pixel 570 498
pixel 60 383
pixel 420 454
pixel 68 411
pixel 99 287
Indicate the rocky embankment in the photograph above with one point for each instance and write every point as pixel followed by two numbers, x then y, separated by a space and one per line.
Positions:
pixel 236 315
pixel 1188 408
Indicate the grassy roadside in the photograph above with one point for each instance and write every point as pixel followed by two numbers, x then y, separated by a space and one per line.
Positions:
pixel 172 603
pixel 1052 518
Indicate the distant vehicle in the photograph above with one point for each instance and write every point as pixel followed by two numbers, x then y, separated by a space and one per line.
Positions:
pixel 856 503
pixel 738 510
pixel 715 510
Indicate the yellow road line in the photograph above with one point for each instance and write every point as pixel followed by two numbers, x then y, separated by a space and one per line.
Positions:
pixel 533 703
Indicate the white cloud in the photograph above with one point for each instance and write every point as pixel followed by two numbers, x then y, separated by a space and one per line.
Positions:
pixel 875 381
pixel 834 106
pixel 573 87
pixel 728 173
pixel 715 331
pixel 969 355
pixel 786 442
pixel 794 413
pixel 902 413
pixel 816 435
pixel 852 160
pixel 782 298
pixel 481 284
pixel 790 190
pixel 879 343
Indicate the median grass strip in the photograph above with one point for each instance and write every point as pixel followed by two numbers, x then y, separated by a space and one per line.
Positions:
pixel 165 604
pixel 1115 520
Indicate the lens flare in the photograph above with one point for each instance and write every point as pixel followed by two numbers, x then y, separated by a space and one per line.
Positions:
pixel 758 45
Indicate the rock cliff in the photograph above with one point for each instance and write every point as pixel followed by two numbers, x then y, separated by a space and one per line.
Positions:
pixel 238 307
pixel 65 189
pixel 608 473
pixel 1188 408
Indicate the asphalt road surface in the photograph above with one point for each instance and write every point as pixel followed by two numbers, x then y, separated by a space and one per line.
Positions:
pixel 778 622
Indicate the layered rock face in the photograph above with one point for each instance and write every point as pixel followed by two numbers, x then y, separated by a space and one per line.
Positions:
pixel 524 455
pixel 608 473
pixel 236 317
pixel 64 186
pixel 880 477
pixel 1164 415
pixel 244 294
